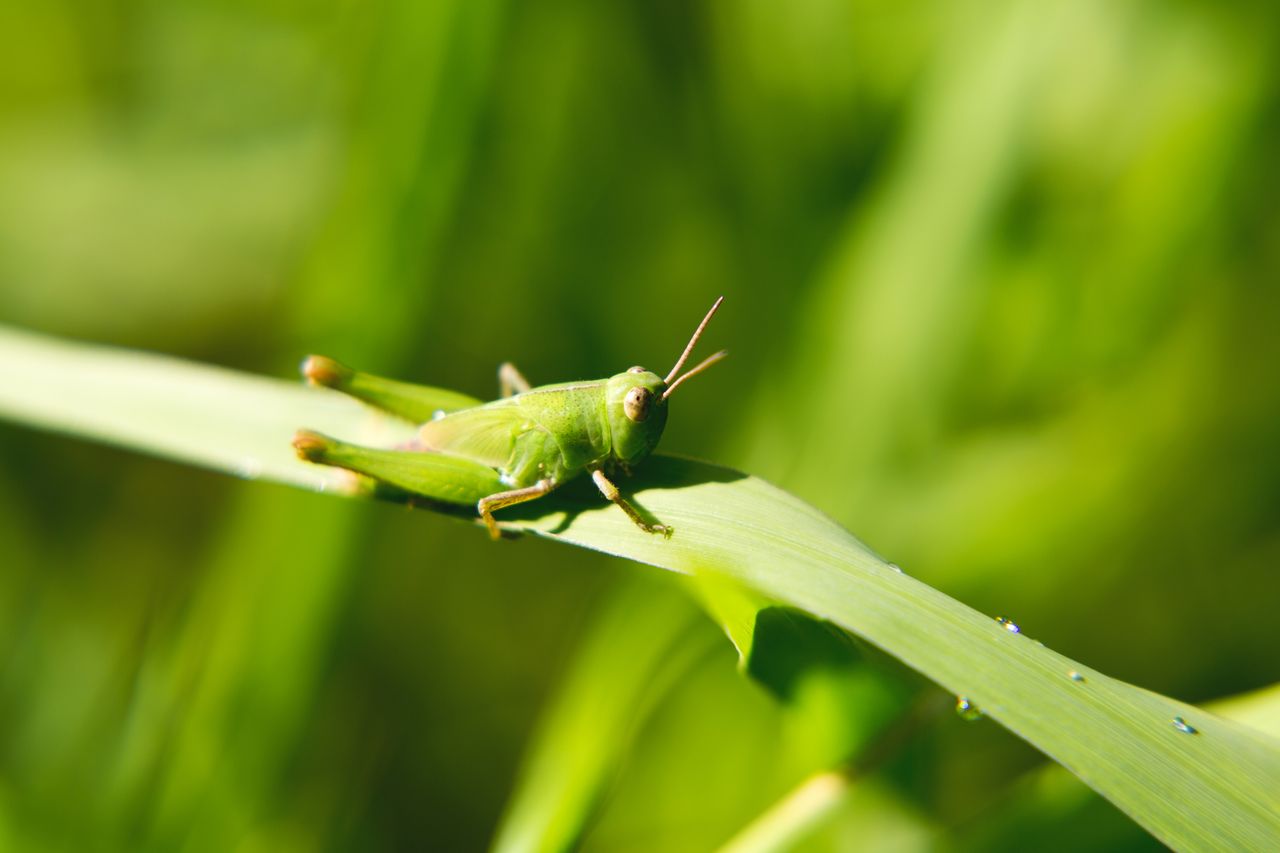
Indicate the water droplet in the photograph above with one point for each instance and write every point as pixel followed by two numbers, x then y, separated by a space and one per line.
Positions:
pixel 966 710
pixel 1184 727
pixel 438 414
pixel 249 468
pixel 1009 625
pixel 895 567
pixel 1075 676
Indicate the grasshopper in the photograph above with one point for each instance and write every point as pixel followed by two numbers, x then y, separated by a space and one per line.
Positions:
pixel 518 448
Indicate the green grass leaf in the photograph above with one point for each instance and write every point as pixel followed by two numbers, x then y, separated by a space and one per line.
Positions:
pixel 188 412
pixel 1216 788
pixel 588 727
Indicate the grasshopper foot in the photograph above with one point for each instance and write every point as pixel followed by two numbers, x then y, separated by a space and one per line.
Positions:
pixel 663 529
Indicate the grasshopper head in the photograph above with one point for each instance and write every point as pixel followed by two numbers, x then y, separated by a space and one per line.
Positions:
pixel 636 401
pixel 637 412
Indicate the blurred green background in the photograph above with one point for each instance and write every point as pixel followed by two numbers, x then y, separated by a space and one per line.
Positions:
pixel 1001 295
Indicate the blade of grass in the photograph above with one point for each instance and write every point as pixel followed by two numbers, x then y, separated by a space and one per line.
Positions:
pixel 1049 803
pixel 587 731
pixel 1205 790
pixel 1217 787
pixel 794 816
pixel 193 413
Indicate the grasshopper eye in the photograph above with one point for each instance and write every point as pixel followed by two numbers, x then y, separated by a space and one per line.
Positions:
pixel 636 404
pixel 636 369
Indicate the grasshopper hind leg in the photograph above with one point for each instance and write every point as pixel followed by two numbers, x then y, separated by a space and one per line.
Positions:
pixel 414 403
pixel 435 476
pixel 446 479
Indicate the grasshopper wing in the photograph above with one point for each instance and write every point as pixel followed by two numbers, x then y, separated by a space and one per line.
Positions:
pixel 484 434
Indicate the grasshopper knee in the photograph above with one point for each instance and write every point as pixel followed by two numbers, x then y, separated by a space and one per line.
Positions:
pixel 605 485
pixel 486 505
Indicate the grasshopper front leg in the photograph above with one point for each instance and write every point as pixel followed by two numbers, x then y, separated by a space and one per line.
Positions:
pixel 610 491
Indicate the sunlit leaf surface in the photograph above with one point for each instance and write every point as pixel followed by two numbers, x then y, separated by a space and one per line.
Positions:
pixel 1191 778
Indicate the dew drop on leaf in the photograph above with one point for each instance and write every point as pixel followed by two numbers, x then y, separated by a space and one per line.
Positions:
pixel 966 710
pixel 1009 625
pixel 1184 727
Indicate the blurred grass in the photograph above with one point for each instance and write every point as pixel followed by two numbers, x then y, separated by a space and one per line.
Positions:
pixel 1040 241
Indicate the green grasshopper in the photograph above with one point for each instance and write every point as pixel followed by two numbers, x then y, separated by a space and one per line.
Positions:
pixel 515 449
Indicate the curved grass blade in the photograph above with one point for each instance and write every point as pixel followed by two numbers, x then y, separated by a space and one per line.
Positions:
pixel 593 717
pixel 194 413
pixel 1218 786
pixel 1194 780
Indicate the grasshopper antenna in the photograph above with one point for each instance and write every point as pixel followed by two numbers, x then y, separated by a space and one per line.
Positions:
pixel 684 356
pixel 707 362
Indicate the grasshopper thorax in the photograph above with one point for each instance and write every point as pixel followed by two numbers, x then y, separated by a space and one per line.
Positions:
pixel 636 412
